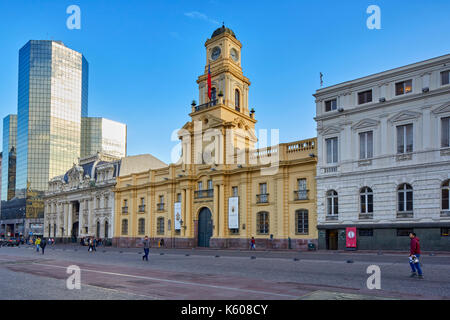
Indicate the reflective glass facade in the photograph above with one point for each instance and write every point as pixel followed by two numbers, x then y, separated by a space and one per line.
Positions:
pixel 103 135
pixel 9 157
pixel 52 98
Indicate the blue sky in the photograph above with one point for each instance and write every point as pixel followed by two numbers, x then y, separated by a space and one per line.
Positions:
pixel 145 56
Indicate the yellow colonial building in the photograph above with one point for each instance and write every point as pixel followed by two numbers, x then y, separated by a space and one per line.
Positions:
pixel 222 191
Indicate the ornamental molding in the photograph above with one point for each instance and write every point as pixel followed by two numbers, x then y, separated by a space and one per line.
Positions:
pixel 445 108
pixel 405 115
pixel 366 123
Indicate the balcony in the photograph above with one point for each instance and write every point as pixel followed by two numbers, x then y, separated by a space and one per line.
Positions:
pixel 262 198
pixel 365 216
pixel 206 105
pixel 202 194
pixel 405 214
pixel 124 210
pixel 160 207
pixel 332 217
pixel 142 208
pixel 301 195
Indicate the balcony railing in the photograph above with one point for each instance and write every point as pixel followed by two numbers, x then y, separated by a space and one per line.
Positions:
pixel 332 217
pixel 365 216
pixel 405 214
pixel 201 194
pixel 142 208
pixel 160 206
pixel 262 198
pixel 124 210
pixel 301 195
pixel 206 105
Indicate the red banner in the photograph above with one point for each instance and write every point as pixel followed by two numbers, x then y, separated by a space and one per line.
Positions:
pixel 350 234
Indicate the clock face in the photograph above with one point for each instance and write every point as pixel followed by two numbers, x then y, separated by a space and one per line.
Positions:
pixel 215 53
pixel 234 54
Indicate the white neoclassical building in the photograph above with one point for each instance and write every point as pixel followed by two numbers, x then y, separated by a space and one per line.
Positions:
pixel 384 158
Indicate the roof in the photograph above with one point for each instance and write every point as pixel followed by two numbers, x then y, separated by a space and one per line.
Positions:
pixel 140 163
pixel 221 30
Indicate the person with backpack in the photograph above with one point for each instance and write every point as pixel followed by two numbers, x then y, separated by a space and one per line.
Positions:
pixel 414 255
pixel 43 243
pixel 146 244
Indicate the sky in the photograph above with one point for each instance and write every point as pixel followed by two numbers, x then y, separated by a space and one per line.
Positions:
pixel 145 56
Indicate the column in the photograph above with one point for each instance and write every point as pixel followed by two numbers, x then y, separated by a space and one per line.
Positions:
pixel 90 215
pixel 80 219
pixel 69 220
pixel 189 220
pixel 183 210
pixel 66 215
pixel 216 212
pixel 221 210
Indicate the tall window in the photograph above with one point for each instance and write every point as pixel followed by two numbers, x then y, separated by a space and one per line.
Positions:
pixel 332 150
pixel 210 185
pixel 330 105
pixel 235 191
pixel 98 229
pixel 213 94
pixel 445 196
pixel 125 227
pixel 141 226
pixel 125 203
pixel 365 97
pixel 178 197
pixel 445 132
pixel 403 87
pixel 142 201
pixel 366 197
pixel 200 186
pixel 263 223
pixel 405 138
pixel 262 197
pixel 106 229
pixel 405 198
pixel 106 201
pixel 445 77
pixel 237 99
pixel 366 145
pixel 263 188
pixel 302 192
pixel 332 203
pixel 160 225
pixel 302 224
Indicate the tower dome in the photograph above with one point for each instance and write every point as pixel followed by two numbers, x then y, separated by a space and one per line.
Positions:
pixel 221 30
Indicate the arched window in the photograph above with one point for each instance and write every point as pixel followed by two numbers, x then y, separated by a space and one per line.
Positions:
pixel 160 225
pixel 213 94
pixel 125 227
pixel 366 196
pixel 332 203
pixel 98 229
pixel 141 226
pixel 405 198
pixel 302 221
pixel 106 229
pixel 262 222
pixel 445 196
pixel 237 100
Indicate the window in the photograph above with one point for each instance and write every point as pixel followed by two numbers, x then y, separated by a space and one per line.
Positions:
pixel 444 232
pixel 301 217
pixel 403 87
pixel 160 225
pixel 263 223
pixel 404 232
pixel 97 203
pixel 213 94
pixel 366 145
pixel 445 75
pixel 365 232
pixel 142 201
pixel 106 229
pixel 263 188
pixel 445 196
pixel 125 203
pixel 405 198
pixel 125 227
pixel 365 97
pixel 210 185
pixel 200 185
pixel 332 150
pixel 445 132
pixel 161 199
pixel 98 229
pixel 54 230
pixel 330 105
pixel 405 138
pixel 237 99
pixel 366 196
pixel 332 203
pixel 106 201
pixel 262 197
pixel 302 191
pixel 235 191
pixel 141 226
pixel 178 197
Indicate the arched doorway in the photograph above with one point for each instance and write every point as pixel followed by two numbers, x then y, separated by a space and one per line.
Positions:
pixel 204 227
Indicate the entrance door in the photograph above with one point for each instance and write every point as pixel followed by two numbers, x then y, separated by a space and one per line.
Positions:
pixel 75 231
pixel 332 239
pixel 204 227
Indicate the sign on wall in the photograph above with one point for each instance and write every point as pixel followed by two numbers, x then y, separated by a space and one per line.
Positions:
pixel 233 213
pixel 177 217
pixel 351 237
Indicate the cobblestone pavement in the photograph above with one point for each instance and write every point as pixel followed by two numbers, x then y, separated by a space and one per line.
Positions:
pixel 112 273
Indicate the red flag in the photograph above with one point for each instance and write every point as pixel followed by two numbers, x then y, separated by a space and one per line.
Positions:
pixel 209 82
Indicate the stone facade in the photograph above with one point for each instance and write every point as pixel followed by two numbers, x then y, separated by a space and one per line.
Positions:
pixel 384 158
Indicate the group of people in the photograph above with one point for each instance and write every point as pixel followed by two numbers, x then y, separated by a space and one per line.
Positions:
pixel 91 242
pixel 41 243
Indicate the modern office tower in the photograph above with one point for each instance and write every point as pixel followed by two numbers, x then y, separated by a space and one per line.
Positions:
pixel 8 180
pixel 52 98
pixel 103 135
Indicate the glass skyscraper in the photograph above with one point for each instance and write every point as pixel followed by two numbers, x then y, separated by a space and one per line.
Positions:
pixel 52 98
pixel 9 157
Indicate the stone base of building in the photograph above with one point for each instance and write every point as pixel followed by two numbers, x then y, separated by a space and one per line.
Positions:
pixel 215 243
pixel 387 237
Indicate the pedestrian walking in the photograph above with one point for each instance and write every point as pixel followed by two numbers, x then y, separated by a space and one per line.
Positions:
pixel 37 243
pixel 414 255
pixel 90 244
pixel 94 246
pixel 43 243
pixel 146 244
pixel 252 244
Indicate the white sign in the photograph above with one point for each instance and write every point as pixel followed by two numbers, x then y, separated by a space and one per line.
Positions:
pixel 233 213
pixel 177 213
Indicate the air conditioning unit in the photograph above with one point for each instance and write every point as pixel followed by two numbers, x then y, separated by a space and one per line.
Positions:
pixel 382 99
pixel 425 90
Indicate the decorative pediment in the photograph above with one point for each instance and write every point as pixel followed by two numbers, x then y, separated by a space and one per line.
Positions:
pixel 331 130
pixel 365 123
pixel 405 115
pixel 445 108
